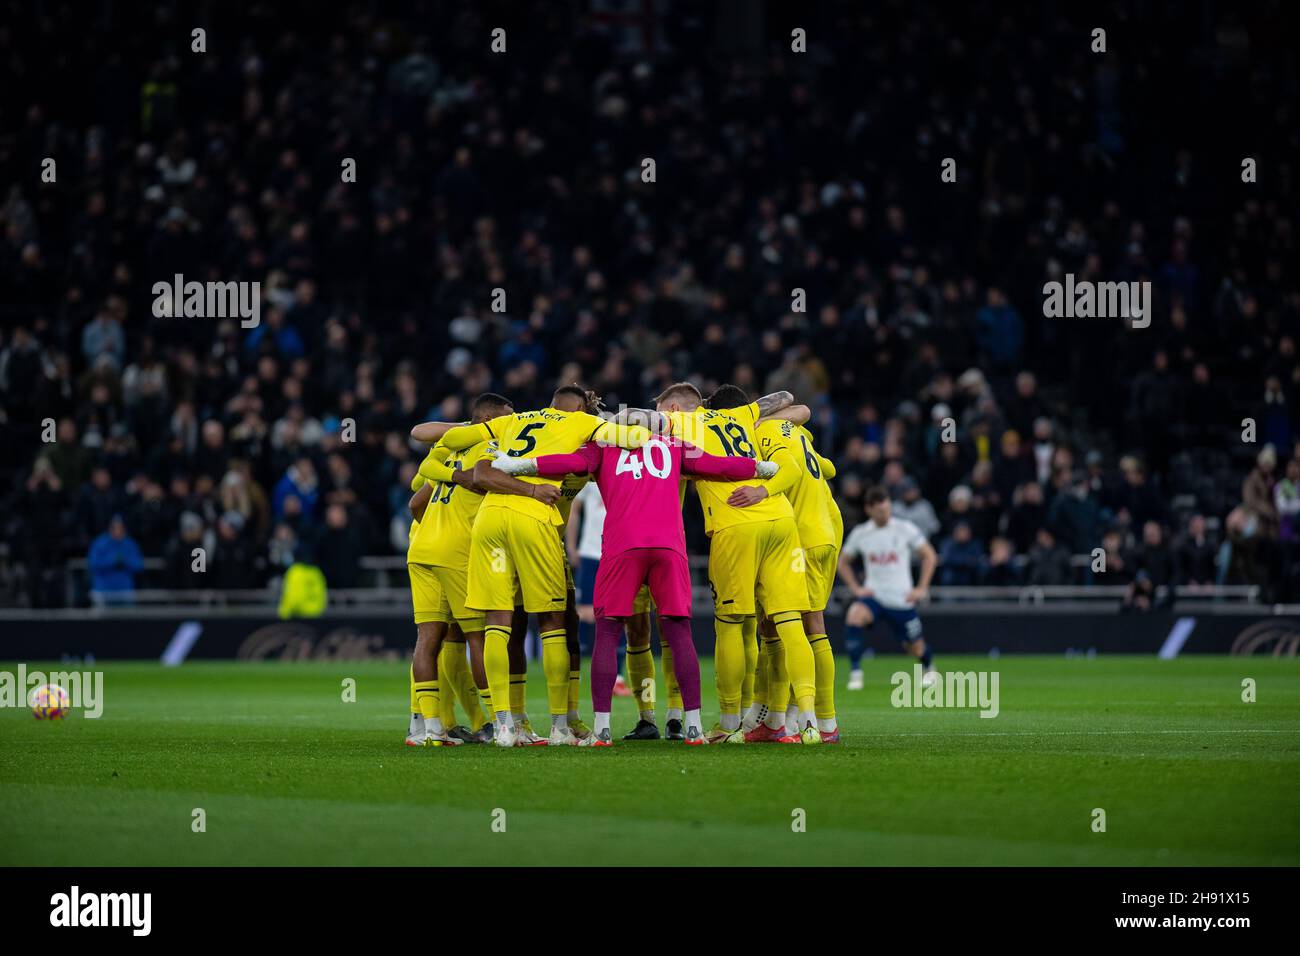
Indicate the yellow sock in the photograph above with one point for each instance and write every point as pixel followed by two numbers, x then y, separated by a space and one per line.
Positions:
pixel 415 705
pixel 485 703
pixel 496 661
pixel 824 662
pixel 575 689
pixel 769 647
pixel 467 694
pixel 447 701
pixel 555 665
pixel 426 698
pixel 518 693
pixel 454 672
pixel 729 664
pixel 749 631
pixel 670 677
pixel 641 675
pixel 778 679
pixel 798 660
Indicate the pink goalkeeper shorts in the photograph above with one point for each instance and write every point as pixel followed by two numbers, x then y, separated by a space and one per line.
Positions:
pixel 620 576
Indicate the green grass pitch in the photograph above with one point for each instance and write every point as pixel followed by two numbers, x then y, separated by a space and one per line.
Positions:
pixel 287 773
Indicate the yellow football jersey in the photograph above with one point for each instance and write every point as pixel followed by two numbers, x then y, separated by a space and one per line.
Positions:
pixel 410 539
pixel 726 432
pixel 544 432
pixel 569 488
pixel 810 495
pixel 443 537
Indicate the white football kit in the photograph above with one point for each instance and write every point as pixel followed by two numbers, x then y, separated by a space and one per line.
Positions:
pixel 886 552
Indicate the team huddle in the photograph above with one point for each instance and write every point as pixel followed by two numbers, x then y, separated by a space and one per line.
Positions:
pixel 487 549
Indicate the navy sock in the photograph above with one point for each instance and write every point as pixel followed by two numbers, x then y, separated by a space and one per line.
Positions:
pixel 925 658
pixel 854 644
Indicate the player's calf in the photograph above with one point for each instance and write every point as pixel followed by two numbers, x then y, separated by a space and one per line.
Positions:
pixel 856 621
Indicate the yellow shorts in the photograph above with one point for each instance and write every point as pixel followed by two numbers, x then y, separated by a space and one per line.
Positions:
pixel 454 583
pixel 758 559
pixel 427 598
pixel 512 553
pixel 820 563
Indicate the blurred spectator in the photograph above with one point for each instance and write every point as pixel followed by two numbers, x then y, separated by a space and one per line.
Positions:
pixel 296 493
pixel 1075 515
pixel 1257 493
pixel 1049 563
pixel 960 556
pixel 114 561
pixel 1196 554
pixel 912 507
pixel 1154 572
pixel 999 331
pixel 339 549
pixel 1286 499
pixel 1120 563
pixel 234 563
pixel 182 569
pixel 999 569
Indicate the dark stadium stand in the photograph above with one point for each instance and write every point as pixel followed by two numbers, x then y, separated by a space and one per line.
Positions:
pixel 773 173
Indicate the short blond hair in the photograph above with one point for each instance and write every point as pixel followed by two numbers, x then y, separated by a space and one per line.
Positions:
pixel 680 390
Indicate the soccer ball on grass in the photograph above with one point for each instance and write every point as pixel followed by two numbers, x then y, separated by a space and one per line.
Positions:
pixel 49 702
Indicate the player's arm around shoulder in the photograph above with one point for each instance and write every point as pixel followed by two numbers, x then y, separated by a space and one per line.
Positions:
pixel 786 474
pixel 778 446
pixel 794 414
pixel 624 436
pixel 430 433
pixel 772 403
pixel 657 422
pixel 488 478
pixel 466 436
pixel 434 468
pixel 697 463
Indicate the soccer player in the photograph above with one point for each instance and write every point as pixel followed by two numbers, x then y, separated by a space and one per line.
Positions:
pixel 589 511
pixel 644 545
pixel 431 433
pixel 886 545
pixel 754 552
pixel 582 541
pixel 416 734
pixel 515 547
pixel 431 619
pixel 820 527
pixel 438 561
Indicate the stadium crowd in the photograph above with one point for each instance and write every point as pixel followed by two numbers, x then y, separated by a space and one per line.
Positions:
pixel 774 172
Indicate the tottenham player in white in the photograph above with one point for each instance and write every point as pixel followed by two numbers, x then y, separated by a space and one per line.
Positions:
pixel 886 545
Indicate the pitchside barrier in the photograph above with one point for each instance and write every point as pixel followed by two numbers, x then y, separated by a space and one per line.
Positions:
pixel 173 634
